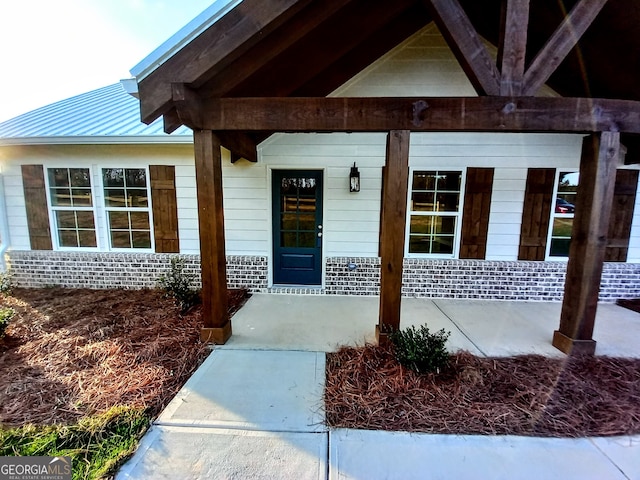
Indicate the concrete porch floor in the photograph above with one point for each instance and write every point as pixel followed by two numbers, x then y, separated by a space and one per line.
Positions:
pixel 254 408
pixel 322 323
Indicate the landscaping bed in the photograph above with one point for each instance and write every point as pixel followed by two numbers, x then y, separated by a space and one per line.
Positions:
pixel 527 395
pixel 83 372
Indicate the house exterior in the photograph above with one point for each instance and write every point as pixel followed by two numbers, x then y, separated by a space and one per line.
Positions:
pixel 94 198
pixel 109 250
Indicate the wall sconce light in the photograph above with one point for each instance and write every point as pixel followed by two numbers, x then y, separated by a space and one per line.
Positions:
pixel 354 179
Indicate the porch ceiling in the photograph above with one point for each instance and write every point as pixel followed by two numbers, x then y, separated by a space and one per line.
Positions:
pixel 309 48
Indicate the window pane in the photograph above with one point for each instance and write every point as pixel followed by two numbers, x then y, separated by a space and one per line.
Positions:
pixel 447 202
pixel 81 197
pixel 568 182
pixel 120 239
pixel 118 220
pixel 421 224
pixel 449 181
pixel 58 177
pixel 419 244
pixel 137 198
pixel 559 247
pixel 442 244
pixel 136 177
pixel 562 227
pixel 67 238
pixel 113 177
pixel 139 220
pixel 80 177
pixel 422 202
pixel 424 180
pixel 114 198
pixel 445 225
pixel 141 240
pixel 66 219
pixel 87 238
pixel 60 197
pixel 85 220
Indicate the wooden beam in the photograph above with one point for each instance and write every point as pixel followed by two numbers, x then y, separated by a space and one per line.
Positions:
pixel 272 46
pixel 466 44
pixel 213 50
pixel 600 158
pixel 560 44
pixel 208 160
pixel 392 231
pixel 438 114
pixel 240 144
pixel 514 48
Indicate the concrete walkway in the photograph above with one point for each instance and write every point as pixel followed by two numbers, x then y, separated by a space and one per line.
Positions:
pixel 254 408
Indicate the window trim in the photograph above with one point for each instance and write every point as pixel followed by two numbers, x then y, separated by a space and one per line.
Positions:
pixel 553 215
pixel 55 241
pixel 105 209
pixel 458 230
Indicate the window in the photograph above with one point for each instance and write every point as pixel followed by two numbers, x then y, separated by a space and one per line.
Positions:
pixel 72 207
pixel 562 213
pixel 126 199
pixel 434 212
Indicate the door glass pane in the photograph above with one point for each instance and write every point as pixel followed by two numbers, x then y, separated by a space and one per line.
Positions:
pixel 289 239
pixel 289 203
pixel 307 239
pixel 307 221
pixel 289 221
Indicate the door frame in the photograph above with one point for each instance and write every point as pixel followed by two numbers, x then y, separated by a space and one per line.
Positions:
pixel 271 255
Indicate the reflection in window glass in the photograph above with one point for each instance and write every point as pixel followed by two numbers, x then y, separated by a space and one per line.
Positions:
pixel 562 213
pixel 72 205
pixel 434 211
pixel 126 198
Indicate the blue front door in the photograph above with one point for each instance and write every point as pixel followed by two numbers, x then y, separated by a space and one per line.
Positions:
pixel 297 227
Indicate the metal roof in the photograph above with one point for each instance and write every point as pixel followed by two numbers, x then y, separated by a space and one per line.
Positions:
pixel 106 115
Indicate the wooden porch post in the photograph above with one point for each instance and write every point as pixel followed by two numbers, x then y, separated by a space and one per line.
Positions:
pixel 392 231
pixel 600 158
pixel 217 326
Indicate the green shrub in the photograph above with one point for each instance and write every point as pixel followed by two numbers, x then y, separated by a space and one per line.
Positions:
pixel 6 313
pixel 5 282
pixel 420 350
pixel 179 284
pixel 97 445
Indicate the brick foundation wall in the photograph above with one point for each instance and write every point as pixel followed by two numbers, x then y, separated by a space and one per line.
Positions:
pixel 477 279
pixel 462 279
pixel 36 269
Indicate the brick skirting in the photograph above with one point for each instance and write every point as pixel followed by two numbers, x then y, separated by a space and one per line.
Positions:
pixel 462 279
pixel 476 279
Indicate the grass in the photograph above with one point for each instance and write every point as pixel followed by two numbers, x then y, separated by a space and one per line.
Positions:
pixel 96 444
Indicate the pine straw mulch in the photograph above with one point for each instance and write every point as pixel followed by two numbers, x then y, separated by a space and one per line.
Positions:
pixel 526 395
pixel 75 352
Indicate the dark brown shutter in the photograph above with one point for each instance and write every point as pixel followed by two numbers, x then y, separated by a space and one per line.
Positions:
pixel 475 216
pixel 536 213
pixel 624 200
pixel 165 208
pixel 35 197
